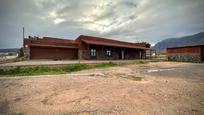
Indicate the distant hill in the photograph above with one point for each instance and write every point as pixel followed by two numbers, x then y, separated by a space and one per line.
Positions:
pixel 9 50
pixel 197 39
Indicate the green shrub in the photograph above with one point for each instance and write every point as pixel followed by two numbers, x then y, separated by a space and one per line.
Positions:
pixel 109 64
pixel 142 62
pixel 17 113
pixel 76 67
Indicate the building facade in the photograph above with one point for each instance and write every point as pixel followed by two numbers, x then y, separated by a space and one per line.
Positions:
pixel 186 53
pixel 84 48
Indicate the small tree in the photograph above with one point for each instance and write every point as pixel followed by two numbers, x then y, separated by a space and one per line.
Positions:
pixel 20 52
pixel 148 45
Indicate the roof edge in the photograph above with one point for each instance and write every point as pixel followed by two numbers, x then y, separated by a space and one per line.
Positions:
pixel 109 39
pixel 185 46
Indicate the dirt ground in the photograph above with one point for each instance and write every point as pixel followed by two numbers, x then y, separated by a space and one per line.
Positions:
pixel 161 88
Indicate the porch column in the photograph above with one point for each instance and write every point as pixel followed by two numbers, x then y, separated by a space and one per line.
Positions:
pixel 114 52
pixel 102 53
pixel 132 53
pixel 145 54
pixel 123 54
pixel 140 54
pixel 88 53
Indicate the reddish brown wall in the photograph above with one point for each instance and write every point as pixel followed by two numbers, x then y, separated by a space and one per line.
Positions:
pixel 186 54
pixel 202 54
pixel 26 42
pixel 53 53
pixel 183 50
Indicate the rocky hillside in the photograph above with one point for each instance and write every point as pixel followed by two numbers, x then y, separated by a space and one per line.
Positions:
pixel 9 50
pixel 197 39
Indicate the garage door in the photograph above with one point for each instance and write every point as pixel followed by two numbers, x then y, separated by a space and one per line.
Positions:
pixel 53 53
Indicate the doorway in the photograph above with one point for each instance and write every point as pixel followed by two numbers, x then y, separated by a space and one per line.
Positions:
pixel 121 54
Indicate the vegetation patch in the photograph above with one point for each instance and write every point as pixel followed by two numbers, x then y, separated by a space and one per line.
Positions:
pixel 76 67
pixel 31 71
pixel 102 65
pixel 142 62
pixel 17 113
pixel 20 71
pixel 56 70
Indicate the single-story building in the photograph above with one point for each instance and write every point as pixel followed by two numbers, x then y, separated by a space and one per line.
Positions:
pixel 84 47
pixel 186 53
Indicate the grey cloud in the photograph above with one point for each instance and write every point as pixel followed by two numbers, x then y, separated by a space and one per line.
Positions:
pixel 127 20
pixel 129 3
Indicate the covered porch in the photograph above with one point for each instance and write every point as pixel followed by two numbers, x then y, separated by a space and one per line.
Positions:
pixel 105 52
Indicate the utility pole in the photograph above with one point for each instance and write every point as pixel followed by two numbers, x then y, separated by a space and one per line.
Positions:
pixel 23 32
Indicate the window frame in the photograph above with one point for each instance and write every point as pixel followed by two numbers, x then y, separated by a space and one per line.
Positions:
pixel 93 52
pixel 108 53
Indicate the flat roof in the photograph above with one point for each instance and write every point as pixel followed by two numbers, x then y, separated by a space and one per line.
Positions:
pixel 185 46
pixel 54 46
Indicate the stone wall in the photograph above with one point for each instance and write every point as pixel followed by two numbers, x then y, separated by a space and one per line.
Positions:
pixel 193 57
pixel 26 53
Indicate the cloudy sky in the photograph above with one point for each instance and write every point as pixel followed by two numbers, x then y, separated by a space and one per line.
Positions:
pixel 126 20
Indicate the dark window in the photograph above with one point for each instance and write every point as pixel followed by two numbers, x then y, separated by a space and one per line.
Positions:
pixel 93 52
pixel 108 53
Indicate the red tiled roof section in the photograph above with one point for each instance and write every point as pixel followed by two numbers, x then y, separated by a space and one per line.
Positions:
pixel 108 42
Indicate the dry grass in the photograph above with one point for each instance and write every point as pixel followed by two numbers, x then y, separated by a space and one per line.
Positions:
pixel 134 78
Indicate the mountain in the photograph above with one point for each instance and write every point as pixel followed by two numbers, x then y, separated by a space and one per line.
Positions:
pixel 197 39
pixel 9 50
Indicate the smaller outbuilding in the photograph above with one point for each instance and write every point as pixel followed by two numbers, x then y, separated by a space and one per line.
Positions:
pixel 186 53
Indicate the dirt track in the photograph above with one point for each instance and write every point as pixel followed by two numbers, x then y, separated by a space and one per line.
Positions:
pixel 161 88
